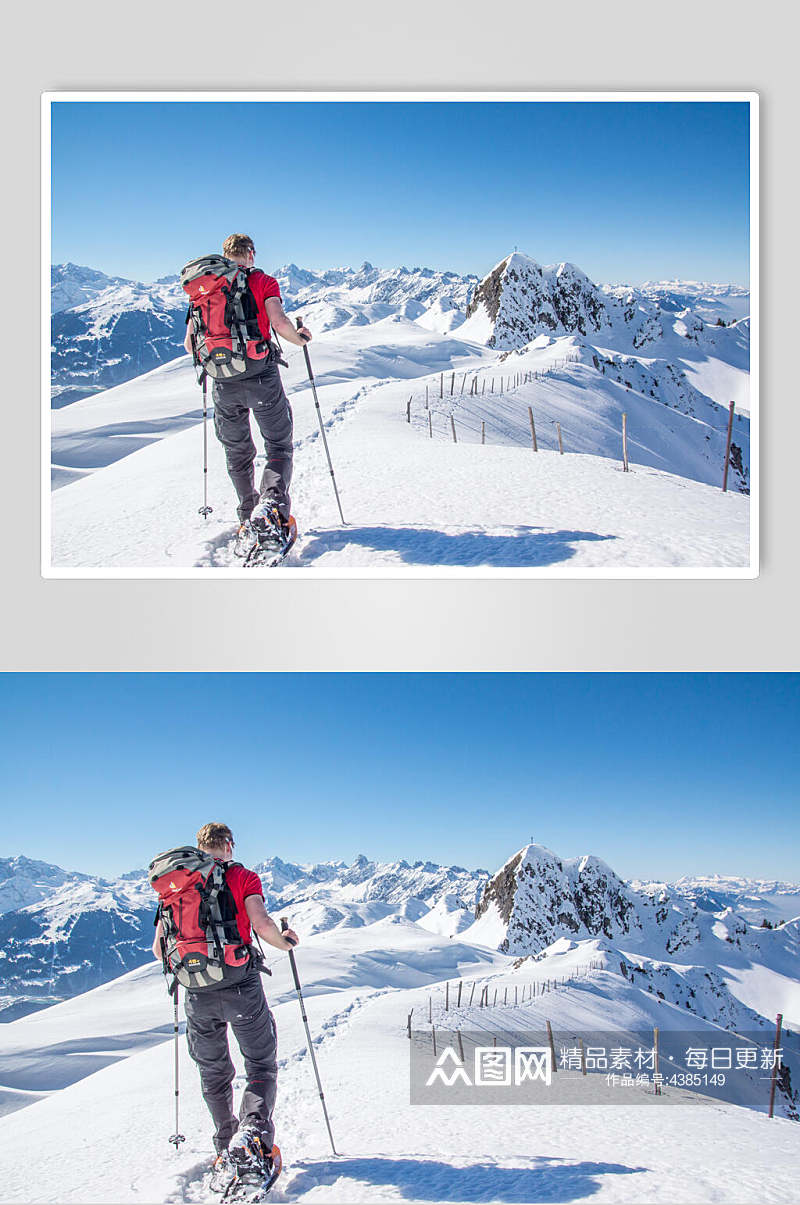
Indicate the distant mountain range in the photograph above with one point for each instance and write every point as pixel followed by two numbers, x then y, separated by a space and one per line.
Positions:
pixel 62 933
pixel 107 330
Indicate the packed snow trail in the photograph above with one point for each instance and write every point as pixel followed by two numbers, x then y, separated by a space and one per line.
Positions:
pixel 410 502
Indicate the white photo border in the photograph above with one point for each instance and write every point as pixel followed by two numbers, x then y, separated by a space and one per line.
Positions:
pixel 49 98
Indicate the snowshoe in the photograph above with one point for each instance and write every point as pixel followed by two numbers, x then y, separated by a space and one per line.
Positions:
pixel 273 1166
pixel 246 1151
pixel 274 536
pixel 223 1173
pixel 245 1172
pixel 246 538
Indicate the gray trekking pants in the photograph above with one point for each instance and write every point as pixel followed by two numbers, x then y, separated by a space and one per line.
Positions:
pixel 243 1007
pixel 233 401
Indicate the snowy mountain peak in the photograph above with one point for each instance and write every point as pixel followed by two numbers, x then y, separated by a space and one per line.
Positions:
pixel 522 300
pixel 538 897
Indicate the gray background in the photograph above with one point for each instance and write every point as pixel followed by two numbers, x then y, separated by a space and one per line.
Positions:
pixel 369 624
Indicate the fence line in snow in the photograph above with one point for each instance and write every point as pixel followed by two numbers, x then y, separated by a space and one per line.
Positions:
pixel 577 1054
pixel 507 384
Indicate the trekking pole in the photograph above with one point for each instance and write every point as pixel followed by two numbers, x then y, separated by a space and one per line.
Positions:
pixel 298 989
pixel 177 1138
pixel 319 417
pixel 205 510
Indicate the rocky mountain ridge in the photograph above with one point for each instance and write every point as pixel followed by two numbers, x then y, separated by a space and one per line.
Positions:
pixel 107 330
pixel 63 932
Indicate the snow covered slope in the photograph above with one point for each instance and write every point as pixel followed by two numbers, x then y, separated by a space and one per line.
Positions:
pixel 126 462
pixel 410 500
pixel 95 1076
pixel 713 964
pixel 757 900
pixel 62 933
pixel 105 330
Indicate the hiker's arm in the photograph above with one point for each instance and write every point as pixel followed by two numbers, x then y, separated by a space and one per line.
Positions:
pixel 187 341
pixel 265 926
pixel 157 942
pixel 283 325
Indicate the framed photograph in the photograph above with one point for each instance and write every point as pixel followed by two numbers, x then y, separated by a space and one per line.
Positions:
pixel 400 334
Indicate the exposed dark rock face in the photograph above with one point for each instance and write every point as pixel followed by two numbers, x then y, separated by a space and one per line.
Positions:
pixel 501 890
pixel 540 898
pixel 488 292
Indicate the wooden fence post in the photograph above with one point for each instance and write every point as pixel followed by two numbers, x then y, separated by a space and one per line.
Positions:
pixel 560 444
pixel 460 985
pixel 492 384
pixel 463 382
pixel 494 1002
pixel 447 996
pixel 408 410
pixel 552 1046
pixel 516 995
pixel 483 387
pixel 433 1035
pixel 460 1045
pixel 483 431
pixel 430 1010
pixel 427 406
pixel 778 1022
pixel 533 429
pixel 505 996
pixel 472 993
pixel 728 453
pixel 452 383
pixel 453 427
pixel 430 424
pixel 624 442
pixel 441 384
pixel 409 1025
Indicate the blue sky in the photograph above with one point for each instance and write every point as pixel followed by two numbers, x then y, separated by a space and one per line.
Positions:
pixel 661 775
pixel 628 191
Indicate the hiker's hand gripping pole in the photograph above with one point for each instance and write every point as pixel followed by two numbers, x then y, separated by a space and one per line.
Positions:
pixel 298 989
pixel 319 417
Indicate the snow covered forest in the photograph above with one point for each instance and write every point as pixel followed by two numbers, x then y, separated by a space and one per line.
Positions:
pixel 435 388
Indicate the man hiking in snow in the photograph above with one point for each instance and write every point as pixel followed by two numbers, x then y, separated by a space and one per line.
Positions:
pixel 209 906
pixel 259 389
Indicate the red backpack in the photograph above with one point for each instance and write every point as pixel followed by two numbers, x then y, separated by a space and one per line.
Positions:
pixel 226 336
pixel 201 944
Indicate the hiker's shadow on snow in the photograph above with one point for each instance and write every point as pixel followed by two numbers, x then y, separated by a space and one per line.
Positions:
pixel 428 1180
pixel 519 548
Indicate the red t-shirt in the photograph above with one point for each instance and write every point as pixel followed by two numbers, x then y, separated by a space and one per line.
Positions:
pixel 263 286
pixel 242 883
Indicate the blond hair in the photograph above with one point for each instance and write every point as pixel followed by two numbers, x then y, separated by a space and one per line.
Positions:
pixel 238 245
pixel 213 836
